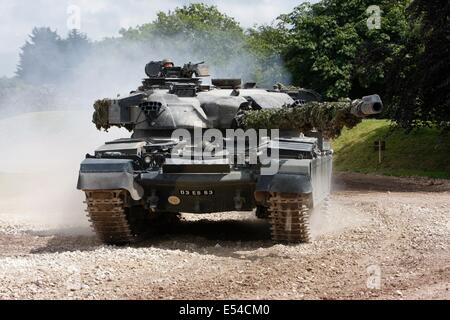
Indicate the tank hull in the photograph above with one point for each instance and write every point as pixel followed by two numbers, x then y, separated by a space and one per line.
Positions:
pixel 238 190
pixel 200 193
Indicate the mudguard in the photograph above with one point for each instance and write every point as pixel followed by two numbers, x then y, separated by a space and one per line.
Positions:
pixel 285 183
pixel 294 176
pixel 109 174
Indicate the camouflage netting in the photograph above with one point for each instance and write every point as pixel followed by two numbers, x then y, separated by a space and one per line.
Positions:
pixel 101 115
pixel 326 117
pixel 281 86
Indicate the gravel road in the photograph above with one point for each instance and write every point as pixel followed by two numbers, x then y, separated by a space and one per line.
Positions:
pixel 382 238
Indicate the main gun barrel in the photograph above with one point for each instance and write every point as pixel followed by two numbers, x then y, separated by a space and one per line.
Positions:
pixel 367 106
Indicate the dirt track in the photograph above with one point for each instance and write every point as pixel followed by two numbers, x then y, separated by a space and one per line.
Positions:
pixel 383 238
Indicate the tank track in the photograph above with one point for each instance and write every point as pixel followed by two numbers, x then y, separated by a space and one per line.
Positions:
pixel 289 217
pixel 107 214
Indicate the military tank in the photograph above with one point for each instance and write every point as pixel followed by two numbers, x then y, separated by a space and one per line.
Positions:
pixel 282 169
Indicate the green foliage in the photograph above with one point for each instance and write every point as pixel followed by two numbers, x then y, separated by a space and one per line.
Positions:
pixel 406 61
pixel 420 93
pixel 100 116
pixel 266 44
pixel 267 40
pixel 320 51
pixel 421 152
pixel 327 117
pixel 200 27
pixel 331 49
pixel 189 21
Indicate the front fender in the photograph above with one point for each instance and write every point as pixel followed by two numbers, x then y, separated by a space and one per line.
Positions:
pixel 285 183
pixel 109 174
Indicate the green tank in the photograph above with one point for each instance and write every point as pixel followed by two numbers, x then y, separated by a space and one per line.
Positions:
pixel 218 147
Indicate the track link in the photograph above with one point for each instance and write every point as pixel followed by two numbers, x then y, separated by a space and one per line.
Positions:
pixel 289 217
pixel 106 212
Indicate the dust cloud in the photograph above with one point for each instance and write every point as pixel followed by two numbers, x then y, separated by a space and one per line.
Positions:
pixel 115 67
pixel 329 216
pixel 46 129
pixel 40 157
pixel 332 217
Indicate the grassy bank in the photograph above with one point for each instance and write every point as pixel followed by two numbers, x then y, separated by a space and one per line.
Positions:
pixel 420 153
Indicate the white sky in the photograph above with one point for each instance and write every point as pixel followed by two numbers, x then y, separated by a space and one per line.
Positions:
pixel 102 18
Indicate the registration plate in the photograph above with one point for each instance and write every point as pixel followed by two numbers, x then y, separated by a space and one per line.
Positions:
pixel 197 192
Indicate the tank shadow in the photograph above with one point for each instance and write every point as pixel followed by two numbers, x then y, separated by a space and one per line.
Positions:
pixel 222 237
pixel 63 243
pixel 220 230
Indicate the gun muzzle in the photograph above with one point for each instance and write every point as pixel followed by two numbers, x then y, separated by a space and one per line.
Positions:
pixel 367 106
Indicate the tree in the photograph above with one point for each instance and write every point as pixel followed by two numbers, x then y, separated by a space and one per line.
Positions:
pixel 41 60
pixel 266 44
pixel 75 48
pixel 201 32
pixel 331 49
pixel 47 59
pixel 198 28
pixel 421 80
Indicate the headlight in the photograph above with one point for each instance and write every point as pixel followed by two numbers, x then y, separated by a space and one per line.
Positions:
pixel 148 159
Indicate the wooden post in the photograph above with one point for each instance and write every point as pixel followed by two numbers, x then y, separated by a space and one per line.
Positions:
pixel 379 146
pixel 379 151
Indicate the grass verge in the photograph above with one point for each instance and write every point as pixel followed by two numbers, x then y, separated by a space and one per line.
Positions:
pixel 422 152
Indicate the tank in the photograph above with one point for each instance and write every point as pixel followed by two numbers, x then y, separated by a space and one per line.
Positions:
pixel 218 147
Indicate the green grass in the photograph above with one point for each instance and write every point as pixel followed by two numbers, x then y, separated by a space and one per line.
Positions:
pixel 422 152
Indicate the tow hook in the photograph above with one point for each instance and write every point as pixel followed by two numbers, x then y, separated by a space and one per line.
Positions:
pixel 153 201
